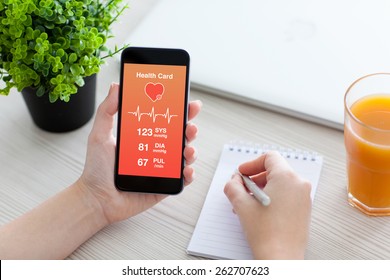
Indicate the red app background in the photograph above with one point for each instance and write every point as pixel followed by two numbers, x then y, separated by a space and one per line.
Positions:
pixel 152 120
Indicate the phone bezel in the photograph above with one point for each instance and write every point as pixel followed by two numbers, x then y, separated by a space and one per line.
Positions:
pixel 157 56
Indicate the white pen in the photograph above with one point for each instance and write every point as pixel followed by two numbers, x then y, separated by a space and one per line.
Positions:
pixel 257 192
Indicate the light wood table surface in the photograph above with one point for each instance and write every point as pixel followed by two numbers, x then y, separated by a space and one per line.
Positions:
pixel 35 165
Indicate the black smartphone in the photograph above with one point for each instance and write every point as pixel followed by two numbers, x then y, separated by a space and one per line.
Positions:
pixel 152 117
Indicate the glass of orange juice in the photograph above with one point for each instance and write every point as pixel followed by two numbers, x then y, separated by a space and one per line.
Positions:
pixel 367 142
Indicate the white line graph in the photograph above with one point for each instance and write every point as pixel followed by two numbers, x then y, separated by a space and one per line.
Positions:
pixel 167 115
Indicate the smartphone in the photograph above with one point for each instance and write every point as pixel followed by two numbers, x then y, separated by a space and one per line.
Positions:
pixel 152 117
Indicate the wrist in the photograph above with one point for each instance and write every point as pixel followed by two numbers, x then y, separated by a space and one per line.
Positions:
pixel 278 251
pixel 92 204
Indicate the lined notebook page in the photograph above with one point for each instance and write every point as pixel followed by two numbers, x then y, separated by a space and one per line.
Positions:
pixel 218 233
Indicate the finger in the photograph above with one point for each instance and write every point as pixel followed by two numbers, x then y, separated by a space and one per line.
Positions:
pixel 104 119
pixel 269 161
pixel 191 132
pixel 194 109
pixel 237 193
pixel 260 179
pixel 274 162
pixel 189 175
pixel 253 167
pixel 190 154
pixel 110 103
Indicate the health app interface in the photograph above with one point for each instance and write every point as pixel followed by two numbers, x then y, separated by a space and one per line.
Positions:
pixel 152 120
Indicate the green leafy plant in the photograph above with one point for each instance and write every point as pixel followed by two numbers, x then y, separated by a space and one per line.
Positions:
pixel 51 45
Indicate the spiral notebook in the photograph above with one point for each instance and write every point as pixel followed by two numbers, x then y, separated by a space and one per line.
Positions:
pixel 218 233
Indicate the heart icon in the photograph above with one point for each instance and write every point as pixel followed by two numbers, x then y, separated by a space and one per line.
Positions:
pixel 154 91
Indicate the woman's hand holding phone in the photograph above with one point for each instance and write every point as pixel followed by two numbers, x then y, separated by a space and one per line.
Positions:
pixel 97 178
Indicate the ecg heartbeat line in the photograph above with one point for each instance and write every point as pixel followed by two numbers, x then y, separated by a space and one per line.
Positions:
pixel 153 115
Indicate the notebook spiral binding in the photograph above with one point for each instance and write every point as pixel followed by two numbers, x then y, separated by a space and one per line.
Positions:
pixel 259 149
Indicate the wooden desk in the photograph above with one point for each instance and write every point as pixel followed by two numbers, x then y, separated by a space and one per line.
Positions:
pixel 35 165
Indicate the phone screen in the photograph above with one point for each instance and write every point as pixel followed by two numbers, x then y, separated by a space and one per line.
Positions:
pixel 152 121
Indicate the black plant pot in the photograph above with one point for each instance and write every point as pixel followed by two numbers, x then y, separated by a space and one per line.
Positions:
pixel 62 116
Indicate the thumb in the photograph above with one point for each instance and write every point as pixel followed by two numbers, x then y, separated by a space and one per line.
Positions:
pixel 104 120
pixel 110 103
pixel 237 194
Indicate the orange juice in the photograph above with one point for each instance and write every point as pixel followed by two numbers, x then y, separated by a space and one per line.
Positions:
pixel 367 141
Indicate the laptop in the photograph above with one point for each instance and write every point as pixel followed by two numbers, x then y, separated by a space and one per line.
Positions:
pixel 293 57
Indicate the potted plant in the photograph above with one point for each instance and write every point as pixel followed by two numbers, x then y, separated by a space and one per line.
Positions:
pixel 51 50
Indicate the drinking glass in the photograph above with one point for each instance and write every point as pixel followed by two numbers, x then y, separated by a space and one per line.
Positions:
pixel 367 143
